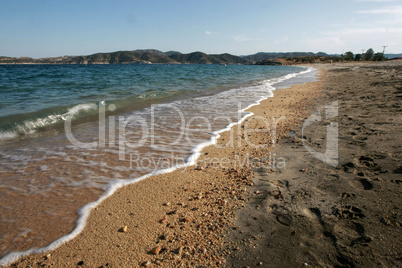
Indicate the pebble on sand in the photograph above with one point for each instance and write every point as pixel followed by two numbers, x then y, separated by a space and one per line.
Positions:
pixel 123 229
pixel 146 263
pixel 155 251
pixel 199 167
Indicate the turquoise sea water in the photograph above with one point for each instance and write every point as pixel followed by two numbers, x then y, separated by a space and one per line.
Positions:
pixel 37 96
pixel 72 134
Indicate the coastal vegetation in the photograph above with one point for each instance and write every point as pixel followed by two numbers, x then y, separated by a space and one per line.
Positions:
pixel 368 56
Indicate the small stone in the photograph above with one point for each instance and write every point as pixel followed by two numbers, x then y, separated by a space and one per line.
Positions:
pixel 187 255
pixel 166 204
pixel 199 167
pixel 368 238
pixel 222 202
pixel 123 229
pixel 186 219
pixel 255 237
pixel 164 220
pixel 156 250
pixel 178 251
pixel 165 236
pixel 146 263
pixel 260 263
pixel 172 212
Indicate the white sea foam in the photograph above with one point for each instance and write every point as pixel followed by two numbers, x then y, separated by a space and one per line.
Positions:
pixel 79 108
pixel 30 126
pixel 111 188
pixel 5 135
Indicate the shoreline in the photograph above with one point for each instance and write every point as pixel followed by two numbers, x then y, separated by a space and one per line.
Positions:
pixel 84 211
pixel 92 205
pixel 306 213
pixel 60 169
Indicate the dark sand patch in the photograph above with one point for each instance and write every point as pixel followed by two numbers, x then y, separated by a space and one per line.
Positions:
pixel 344 216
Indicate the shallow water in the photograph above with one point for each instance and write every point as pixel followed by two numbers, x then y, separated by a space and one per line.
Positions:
pixel 134 120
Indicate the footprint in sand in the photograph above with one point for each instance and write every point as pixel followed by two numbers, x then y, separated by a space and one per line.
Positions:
pixel 360 182
pixel 349 167
pixel 351 212
pixel 360 138
pixel 367 185
pixel 398 170
pixel 350 233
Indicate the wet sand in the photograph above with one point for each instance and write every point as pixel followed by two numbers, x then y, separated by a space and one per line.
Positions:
pixel 263 199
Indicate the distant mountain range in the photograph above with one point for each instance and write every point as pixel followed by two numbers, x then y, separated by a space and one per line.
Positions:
pixel 148 56
pixel 145 56
pixel 393 56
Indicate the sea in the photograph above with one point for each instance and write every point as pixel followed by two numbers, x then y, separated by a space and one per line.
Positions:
pixel 70 135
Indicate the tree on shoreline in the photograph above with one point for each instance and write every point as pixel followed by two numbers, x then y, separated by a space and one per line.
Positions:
pixel 369 54
pixel 358 57
pixel 349 56
pixel 379 56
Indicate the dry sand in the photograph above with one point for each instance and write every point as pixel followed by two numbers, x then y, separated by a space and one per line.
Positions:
pixel 257 202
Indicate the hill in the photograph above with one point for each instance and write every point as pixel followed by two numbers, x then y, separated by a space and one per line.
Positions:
pixel 148 56
pixel 202 58
pixel 123 57
pixel 263 56
pixel 144 56
pixel 393 56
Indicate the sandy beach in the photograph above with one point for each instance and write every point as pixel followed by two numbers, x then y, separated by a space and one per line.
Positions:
pixel 343 216
pixel 259 198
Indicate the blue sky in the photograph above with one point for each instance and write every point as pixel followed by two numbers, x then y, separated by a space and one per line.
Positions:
pixel 40 28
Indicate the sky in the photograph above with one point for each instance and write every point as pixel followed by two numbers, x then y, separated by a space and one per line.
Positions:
pixel 51 28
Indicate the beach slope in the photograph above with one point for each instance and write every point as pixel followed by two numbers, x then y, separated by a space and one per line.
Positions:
pixel 260 197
